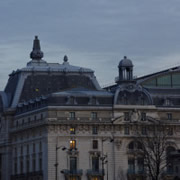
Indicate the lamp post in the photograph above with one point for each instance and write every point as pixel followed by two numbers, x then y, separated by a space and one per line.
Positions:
pixel 104 157
pixel 56 164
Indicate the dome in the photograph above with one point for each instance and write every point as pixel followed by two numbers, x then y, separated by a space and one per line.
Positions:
pixel 125 62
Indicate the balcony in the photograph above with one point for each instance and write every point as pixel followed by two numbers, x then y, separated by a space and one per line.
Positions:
pixel 139 174
pixel 91 172
pixel 28 176
pixel 68 172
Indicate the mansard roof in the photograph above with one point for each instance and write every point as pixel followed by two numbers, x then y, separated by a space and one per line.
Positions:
pixel 42 78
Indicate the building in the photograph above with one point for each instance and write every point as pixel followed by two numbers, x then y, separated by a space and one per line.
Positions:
pixel 58 123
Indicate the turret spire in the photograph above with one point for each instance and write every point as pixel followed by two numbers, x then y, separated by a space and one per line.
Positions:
pixel 36 53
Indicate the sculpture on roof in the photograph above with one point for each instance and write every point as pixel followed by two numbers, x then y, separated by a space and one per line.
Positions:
pixel 36 53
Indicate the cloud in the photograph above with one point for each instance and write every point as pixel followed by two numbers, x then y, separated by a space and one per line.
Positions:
pixel 93 33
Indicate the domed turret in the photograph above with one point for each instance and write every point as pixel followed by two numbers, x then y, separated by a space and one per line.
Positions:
pixel 125 62
pixel 125 70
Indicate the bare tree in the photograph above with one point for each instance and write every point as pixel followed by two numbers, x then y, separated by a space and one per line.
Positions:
pixel 154 141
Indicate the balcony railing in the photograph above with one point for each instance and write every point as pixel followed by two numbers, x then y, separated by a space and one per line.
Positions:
pixel 91 172
pixel 137 172
pixel 77 172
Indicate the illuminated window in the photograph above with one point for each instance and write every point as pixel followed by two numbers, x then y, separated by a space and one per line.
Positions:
pixel 95 178
pixel 72 115
pixel 95 144
pixel 72 130
pixel 93 115
pixel 72 144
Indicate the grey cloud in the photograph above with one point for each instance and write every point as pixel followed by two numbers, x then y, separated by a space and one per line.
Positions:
pixel 93 33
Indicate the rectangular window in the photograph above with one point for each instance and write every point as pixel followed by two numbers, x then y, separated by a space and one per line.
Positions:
pixel 40 163
pixel 126 116
pixel 126 130
pixel 95 144
pixel 170 131
pixel 72 144
pixel 21 165
pixel 94 130
pixel 15 166
pixel 169 116
pixel 73 164
pixel 131 166
pixel 34 148
pixel 27 149
pixel 95 163
pixel 93 115
pixel 72 130
pixel 143 116
pixel 21 150
pixel 72 115
pixel 27 164
pixel 144 131
pixel 34 163
pixel 40 147
pixel 140 165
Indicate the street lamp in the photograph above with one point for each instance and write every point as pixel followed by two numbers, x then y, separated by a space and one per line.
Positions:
pixel 63 148
pixel 104 157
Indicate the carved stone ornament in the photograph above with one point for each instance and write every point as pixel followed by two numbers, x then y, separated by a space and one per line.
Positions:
pixel 118 144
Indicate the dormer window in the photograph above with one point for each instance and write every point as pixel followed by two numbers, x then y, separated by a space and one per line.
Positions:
pixel 169 116
pixel 167 102
pixel 72 115
pixel 93 115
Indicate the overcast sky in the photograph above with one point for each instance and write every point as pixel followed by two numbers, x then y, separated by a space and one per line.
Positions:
pixel 93 33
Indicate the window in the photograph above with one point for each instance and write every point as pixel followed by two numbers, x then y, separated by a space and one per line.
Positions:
pixel 126 116
pixel 34 163
pixel 40 163
pixel 34 147
pixel 73 164
pixel 95 144
pixel 170 131
pixel 21 150
pixel 95 163
pixel 21 165
pixel 94 130
pixel 126 130
pixel 15 166
pixel 72 115
pixel 27 149
pixel 93 115
pixel 131 146
pixel 143 116
pixel 131 166
pixel 144 131
pixel 72 130
pixel 140 165
pixel 169 116
pixel 40 146
pixel 41 116
pixel 167 102
pixel 72 144
pixel 35 118
pixel 27 164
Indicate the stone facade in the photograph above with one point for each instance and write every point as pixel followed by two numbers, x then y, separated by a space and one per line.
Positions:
pixel 58 123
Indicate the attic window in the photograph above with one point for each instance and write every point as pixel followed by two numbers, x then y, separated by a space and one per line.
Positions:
pixel 167 102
